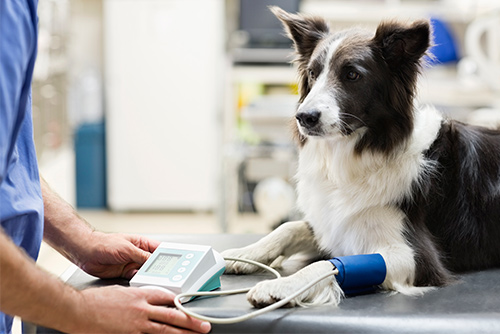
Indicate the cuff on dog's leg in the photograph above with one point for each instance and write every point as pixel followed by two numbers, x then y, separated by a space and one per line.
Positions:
pixel 360 274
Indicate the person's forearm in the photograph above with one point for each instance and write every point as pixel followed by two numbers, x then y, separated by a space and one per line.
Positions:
pixel 64 229
pixel 35 295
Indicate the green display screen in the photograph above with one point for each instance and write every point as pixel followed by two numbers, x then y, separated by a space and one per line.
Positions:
pixel 163 264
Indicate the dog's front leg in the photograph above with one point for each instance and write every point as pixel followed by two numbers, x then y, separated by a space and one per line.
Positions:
pixel 400 263
pixel 286 240
pixel 326 291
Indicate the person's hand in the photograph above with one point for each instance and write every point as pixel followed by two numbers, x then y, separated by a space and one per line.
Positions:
pixel 132 310
pixel 115 255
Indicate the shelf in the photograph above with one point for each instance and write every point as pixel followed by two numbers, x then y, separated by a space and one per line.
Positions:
pixel 443 86
pixel 260 73
pixel 375 11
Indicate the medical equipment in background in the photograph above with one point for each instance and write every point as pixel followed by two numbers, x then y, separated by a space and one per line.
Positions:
pixel 259 38
pixel 189 271
pixel 481 66
pixel 274 199
pixel 485 52
pixel 444 48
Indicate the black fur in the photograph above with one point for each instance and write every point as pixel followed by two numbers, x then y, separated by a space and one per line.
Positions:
pixel 458 206
pixel 397 50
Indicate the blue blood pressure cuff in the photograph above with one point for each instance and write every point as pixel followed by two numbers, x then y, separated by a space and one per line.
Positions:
pixel 360 274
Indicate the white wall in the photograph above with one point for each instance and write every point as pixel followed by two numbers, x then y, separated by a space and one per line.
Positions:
pixel 163 66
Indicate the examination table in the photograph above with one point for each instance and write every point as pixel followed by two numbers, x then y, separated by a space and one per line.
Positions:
pixel 472 305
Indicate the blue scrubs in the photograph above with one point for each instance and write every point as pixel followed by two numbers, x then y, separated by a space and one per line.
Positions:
pixel 21 205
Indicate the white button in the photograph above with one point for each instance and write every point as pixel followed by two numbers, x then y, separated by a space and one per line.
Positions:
pixel 181 270
pixel 177 278
pixel 186 263
pixel 190 256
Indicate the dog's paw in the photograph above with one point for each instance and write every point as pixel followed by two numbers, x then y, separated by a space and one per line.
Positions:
pixel 413 291
pixel 249 253
pixel 269 292
pixel 326 291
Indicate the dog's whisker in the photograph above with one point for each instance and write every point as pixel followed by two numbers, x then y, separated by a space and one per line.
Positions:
pixel 353 116
pixel 343 126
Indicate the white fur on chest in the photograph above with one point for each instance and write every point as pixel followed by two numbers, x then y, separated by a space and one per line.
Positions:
pixel 350 200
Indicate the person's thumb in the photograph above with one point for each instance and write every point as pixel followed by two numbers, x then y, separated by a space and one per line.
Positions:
pixel 139 256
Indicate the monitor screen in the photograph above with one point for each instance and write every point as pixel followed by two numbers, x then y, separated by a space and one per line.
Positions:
pixel 163 264
pixel 264 29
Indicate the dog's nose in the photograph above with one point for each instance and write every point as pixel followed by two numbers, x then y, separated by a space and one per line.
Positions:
pixel 308 119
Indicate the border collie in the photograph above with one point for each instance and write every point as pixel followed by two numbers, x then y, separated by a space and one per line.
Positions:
pixel 376 173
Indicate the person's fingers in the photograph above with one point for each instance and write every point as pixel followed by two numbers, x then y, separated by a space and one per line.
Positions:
pixel 146 244
pixel 156 327
pixel 130 270
pixel 138 255
pixel 134 253
pixel 158 296
pixel 178 319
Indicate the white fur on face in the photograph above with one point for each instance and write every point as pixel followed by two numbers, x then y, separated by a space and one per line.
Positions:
pixel 321 98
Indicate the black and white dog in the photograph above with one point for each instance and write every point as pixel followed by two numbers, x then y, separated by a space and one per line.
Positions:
pixel 377 174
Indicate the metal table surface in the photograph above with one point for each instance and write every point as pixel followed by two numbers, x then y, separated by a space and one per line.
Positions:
pixel 471 305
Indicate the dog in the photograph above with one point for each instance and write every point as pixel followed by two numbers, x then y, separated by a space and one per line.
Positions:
pixel 376 173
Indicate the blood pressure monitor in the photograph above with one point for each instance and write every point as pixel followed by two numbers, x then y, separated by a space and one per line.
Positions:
pixel 181 268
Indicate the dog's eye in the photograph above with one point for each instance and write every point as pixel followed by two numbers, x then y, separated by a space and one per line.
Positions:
pixel 353 76
pixel 312 75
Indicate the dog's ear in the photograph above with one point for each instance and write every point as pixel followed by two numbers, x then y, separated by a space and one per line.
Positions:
pixel 401 43
pixel 304 31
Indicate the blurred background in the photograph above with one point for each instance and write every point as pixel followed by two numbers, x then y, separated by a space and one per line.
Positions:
pixel 172 116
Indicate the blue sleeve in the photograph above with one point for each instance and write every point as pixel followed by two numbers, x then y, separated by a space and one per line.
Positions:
pixel 21 205
pixel 17 57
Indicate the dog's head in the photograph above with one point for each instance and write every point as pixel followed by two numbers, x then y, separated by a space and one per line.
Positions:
pixel 356 81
